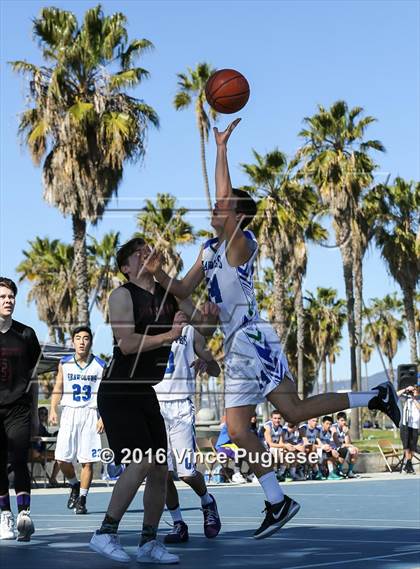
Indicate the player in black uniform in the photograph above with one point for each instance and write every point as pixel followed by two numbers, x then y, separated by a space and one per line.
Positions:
pixel 19 354
pixel 145 321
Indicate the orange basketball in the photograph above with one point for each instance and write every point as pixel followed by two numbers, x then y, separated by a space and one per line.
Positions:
pixel 227 91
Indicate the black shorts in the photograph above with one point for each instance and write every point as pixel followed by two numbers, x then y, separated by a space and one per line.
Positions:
pixel 15 428
pixel 343 452
pixel 409 437
pixel 132 422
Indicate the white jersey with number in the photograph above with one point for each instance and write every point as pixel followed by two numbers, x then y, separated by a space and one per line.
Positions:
pixel 231 288
pixel 81 384
pixel 179 379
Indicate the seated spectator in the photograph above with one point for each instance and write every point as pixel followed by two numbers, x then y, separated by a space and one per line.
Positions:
pixel 291 442
pixel 310 432
pixel 272 433
pixel 225 445
pixel 347 451
pixel 39 448
pixel 327 450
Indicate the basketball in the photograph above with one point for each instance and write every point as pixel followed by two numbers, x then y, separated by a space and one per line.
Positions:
pixel 227 91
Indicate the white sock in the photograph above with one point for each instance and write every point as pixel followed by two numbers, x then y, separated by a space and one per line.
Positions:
pixel 206 499
pixel 176 515
pixel 73 481
pixel 271 487
pixel 361 398
pixel 236 469
pixel 330 467
pixel 84 491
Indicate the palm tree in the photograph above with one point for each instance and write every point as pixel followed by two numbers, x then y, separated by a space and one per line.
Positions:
pixel 333 351
pixel 82 126
pixel 384 328
pixel 48 268
pixel 336 159
pixel 327 319
pixel 192 86
pixel 105 275
pixel 397 235
pixel 367 350
pixel 163 224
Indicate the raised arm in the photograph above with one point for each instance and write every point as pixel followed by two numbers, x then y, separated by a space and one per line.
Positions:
pixel 181 288
pixel 122 323
pixel 239 248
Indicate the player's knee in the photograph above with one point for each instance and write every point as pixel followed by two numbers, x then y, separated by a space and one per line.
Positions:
pixel 87 465
pixel 189 479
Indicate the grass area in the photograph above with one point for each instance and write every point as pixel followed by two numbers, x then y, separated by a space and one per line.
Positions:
pixel 368 443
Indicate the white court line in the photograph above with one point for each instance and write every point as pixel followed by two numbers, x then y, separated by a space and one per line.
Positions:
pixel 341 562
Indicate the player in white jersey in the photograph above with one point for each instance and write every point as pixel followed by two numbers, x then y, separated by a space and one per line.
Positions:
pixel 189 355
pixel 255 366
pixel 79 436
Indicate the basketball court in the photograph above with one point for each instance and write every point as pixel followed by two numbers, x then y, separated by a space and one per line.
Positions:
pixel 367 523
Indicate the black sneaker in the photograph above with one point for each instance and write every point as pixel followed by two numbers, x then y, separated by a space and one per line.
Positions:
pixel 408 468
pixel 74 495
pixel 276 516
pixel 212 523
pixel 179 533
pixel 80 507
pixel 387 402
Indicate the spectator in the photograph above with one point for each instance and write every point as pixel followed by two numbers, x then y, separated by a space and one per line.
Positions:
pixel 272 433
pixel 225 445
pixel 410 424
pixel 39 449
pixel 327 450
pixel 347 451
pixel 310 432
pixel 291 442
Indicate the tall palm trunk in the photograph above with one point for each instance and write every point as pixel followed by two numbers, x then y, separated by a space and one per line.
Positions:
pixel 343 231
pixel 358 307
pixel 366 377
pixel 408 299
pixel 324 375
pixel 391 370
pixel 204 168
pixel 300 333
pixel 279 298
pixel 331 378
pixel 81 270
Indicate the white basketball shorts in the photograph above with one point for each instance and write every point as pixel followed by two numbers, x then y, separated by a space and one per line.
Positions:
pixel 254 365
pixel 179 417
pixel 77 437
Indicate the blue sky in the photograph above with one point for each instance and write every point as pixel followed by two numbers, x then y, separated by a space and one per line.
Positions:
pixel 295 55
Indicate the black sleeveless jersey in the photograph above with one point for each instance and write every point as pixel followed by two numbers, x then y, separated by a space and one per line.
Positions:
pixel 153 315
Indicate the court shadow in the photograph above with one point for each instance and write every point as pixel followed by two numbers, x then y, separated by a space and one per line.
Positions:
pixel 292 548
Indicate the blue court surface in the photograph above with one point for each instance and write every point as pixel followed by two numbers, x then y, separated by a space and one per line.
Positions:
pixel 359 524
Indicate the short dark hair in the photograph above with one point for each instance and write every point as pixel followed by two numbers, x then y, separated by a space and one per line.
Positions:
pixel 341 415
pixel 246 205
pixel 126 250
pixel 327 418
pixel 43 409
pixel 8 283
pixel 275 412
pixel 79 329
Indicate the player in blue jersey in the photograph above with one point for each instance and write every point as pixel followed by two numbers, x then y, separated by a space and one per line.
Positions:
pixel 309 432
pixel 79 437
pixel 255 367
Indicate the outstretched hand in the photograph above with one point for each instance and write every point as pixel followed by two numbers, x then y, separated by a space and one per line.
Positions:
pixel 222 137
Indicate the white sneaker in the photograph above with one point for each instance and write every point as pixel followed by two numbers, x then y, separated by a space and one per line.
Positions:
pixel 24 526
pixel 108 545
pixel 237 478
pixel 155 552
pixel 7 525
